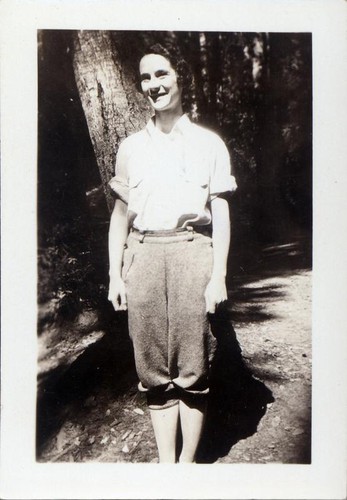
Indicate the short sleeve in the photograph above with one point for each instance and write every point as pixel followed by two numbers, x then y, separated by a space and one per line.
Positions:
pixel 221 180
pixel 119 183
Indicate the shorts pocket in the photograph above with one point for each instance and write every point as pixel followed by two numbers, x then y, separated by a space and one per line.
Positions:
pixel 128 261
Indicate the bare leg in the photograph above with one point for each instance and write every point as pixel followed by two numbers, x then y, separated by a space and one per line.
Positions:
pixel 192 421
pixel 165 423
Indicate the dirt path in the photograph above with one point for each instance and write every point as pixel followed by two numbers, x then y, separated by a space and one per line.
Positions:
pixel 92 411
pixel 278 352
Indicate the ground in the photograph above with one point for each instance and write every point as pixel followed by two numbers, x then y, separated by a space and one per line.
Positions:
pixel 260 404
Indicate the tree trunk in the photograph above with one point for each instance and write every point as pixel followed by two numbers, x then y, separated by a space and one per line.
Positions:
pixel 112 106
pixel 270 153
pixel 214 70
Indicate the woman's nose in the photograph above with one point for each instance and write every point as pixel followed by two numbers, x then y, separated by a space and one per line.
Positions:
pixel 154 85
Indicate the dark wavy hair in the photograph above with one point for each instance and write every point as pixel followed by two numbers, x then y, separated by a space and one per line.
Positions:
pixel 179 64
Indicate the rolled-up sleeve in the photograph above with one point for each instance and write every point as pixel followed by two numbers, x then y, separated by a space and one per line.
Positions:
pixel 119 183
pixel 221 180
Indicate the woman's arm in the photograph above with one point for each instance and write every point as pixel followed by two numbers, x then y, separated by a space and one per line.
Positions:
pixel 117 237
pixel 216 291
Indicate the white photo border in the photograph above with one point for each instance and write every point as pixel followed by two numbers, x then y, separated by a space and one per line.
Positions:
pixel 21 475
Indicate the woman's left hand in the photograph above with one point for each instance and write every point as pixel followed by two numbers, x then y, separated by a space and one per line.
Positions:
pixel 215 294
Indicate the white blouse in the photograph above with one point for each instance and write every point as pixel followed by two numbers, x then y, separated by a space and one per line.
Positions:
pixel 168 180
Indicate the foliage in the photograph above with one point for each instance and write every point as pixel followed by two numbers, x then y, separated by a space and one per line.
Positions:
pixel 66 272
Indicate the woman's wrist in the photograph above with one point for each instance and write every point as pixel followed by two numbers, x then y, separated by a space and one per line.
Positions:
pixel 218 275
pixel 115 274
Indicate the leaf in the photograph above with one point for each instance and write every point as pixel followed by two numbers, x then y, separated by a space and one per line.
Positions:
pixel 276 421
pixel 61 439
pixel 125 435
pixel 139 411
pixel 125 449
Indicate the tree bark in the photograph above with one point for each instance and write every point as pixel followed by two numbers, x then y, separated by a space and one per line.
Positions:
pixel 112 106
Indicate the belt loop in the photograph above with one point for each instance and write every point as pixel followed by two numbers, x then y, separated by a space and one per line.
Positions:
pixel 190 233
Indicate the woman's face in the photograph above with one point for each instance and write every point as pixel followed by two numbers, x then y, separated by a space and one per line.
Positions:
pixel 159 83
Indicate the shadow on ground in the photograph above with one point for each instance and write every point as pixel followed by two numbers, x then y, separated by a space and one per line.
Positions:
pixel 237 400
pixel 107 365
pixel 253 262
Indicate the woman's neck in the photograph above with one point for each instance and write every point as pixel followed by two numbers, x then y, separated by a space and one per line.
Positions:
pixel 165 120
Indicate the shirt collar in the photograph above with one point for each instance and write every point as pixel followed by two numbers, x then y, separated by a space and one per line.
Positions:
pixel 182 125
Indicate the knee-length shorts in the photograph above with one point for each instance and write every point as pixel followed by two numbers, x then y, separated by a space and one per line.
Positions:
pixel 165 275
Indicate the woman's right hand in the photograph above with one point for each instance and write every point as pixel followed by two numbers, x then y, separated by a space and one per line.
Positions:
pixel 117 294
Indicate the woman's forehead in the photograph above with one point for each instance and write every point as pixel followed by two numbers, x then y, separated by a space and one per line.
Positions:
pixel 154 62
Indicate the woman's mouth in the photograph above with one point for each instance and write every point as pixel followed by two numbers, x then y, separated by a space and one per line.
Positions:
pixel 155 97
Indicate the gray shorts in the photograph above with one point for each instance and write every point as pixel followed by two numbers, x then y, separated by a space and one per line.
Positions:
pixel 166 274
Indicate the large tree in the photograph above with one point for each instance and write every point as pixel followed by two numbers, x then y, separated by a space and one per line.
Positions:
pixel 112 106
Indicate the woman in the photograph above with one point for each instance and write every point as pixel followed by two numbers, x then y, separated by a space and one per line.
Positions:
pixel 168 271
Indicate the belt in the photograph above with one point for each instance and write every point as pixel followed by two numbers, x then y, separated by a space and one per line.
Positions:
pixel 205 230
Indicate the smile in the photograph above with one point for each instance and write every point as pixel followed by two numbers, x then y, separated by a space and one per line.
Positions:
pixel 154 97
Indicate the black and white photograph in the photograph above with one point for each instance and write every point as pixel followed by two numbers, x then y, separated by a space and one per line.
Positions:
pixel 199 145
pixel 173 232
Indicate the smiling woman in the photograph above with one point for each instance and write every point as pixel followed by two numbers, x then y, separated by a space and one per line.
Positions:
pixel 159 83
pixel 182 70
pixel 167 266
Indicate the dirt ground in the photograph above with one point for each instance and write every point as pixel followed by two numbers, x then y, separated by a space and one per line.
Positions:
pixel 260 402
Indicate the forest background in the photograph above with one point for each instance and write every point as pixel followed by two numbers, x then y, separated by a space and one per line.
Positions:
pixel 254 89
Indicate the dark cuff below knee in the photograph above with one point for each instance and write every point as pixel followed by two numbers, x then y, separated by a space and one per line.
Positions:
pixel 193 399
pixel 161 401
